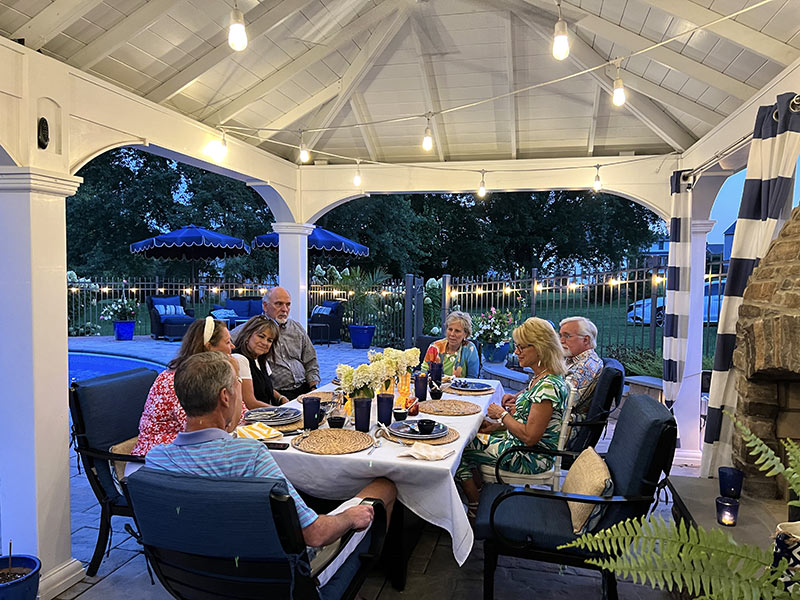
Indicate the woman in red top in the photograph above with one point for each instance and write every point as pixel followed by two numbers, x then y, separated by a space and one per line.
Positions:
pixel 163 418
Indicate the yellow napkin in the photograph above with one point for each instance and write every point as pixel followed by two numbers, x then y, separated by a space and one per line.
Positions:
pixel 427 452
pixel 258 431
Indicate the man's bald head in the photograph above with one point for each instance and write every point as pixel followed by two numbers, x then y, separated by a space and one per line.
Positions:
pixel 277 302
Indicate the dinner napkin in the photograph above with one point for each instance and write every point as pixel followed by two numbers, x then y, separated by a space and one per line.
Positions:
pixel 426 452
pixel 258 431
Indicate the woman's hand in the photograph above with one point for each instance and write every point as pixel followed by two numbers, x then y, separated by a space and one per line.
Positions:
pixel 495 411
pixel 509 402
pixel 489 427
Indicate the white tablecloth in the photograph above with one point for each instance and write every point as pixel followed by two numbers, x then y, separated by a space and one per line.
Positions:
pixel 425 487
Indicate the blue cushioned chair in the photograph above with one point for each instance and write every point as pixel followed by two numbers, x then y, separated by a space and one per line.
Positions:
pixel 105 413
pixel 236 538
pixel 532 523
pixel 169 326
pixel 325 322
pixel 245 307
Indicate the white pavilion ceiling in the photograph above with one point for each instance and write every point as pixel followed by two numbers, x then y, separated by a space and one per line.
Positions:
pixel 332 63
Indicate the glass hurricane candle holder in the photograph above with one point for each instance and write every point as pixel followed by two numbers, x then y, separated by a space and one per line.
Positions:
pixel 727 511
pixel 730 482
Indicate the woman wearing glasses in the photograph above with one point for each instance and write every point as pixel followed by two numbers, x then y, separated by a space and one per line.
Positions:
pixel 535 418
pixel 255 342
pixel 458 355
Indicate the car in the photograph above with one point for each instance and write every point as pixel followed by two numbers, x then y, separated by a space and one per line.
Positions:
pixel 639 311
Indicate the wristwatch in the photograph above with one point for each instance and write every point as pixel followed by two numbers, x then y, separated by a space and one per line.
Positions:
pixel 503 416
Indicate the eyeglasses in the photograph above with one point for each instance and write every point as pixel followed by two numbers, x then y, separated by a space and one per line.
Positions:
pixel 569 336
pixel 266 318
pixel 520 347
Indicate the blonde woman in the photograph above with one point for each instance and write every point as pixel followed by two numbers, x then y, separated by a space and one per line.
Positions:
pixel 458 355
pixel 535 417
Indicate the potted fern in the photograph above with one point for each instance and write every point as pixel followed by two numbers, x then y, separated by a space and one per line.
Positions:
pixel 708 563
pixel 362 298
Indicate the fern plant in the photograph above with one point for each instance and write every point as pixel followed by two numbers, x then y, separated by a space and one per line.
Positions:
pixel 709 563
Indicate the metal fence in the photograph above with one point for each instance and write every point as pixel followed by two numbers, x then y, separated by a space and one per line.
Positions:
pixel 626 305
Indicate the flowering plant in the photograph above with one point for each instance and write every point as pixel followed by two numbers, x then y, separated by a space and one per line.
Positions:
pixel 493 327
pixel 363 380
pixel 397 361
pixel 121 309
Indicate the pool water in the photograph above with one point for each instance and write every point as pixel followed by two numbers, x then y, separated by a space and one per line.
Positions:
pixel 84 365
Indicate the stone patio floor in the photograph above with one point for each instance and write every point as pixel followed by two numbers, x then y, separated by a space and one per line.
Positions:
pixel 433 572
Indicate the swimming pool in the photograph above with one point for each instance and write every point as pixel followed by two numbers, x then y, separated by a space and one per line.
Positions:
pixel 83 365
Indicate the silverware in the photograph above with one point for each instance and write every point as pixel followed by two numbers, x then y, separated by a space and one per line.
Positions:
pixel 375 444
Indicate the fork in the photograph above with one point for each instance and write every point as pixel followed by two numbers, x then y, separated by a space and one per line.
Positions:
pixel 375 444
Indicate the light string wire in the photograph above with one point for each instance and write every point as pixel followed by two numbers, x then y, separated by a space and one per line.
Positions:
pixel 247 131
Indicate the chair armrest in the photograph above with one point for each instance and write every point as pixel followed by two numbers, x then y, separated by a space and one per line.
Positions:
pixel 103 455
pixel 538 449
pixel 378 530
pixel 189 311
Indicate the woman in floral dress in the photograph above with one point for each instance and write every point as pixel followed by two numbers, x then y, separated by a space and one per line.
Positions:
pixel 535 418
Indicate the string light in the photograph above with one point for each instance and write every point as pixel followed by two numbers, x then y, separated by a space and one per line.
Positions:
pixel 217 149
pixel 357 176
pixel 427 139
pixel 598 185
pixel 618 97
pixel 237 35
pixel 560 37
pixel 305 155
pixel 482 187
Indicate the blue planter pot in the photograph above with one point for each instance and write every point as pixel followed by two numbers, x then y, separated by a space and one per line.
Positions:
pixel 27 586
pixel 361 336
pixel 123 330
pixel 495 354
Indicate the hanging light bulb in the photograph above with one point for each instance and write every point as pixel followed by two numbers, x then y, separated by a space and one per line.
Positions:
pixel 598 185
pixel 305 155
pixel 560 37
pixel 427 140
pixel 217 149
pixel 237 35
pixel 618 98
pixel 357 176
pixel 482 187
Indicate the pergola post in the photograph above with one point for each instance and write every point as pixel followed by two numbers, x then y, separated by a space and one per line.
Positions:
pixel 34 420
pixel 293 265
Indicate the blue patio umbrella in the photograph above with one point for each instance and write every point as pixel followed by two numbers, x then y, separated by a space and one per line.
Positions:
pixel 190 243
pixel 319 239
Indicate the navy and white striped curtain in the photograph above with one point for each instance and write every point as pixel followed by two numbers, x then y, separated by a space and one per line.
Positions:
pixel 766 203
pixel 676 320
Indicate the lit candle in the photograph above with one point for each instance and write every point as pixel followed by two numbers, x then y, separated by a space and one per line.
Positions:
pixel 727 511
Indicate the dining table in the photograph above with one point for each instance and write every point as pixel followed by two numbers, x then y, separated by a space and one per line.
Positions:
pixel 427 488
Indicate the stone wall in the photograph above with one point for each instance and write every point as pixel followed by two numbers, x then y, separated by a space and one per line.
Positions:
pixel 767 357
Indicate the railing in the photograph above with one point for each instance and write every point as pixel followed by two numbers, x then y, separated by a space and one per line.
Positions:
pixel 619 302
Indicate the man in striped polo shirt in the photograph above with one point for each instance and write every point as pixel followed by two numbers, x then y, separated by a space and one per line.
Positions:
pixel 209 390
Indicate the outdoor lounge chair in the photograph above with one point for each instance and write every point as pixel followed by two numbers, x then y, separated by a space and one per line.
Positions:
pixel 243 307
pixel 105 414
pixel 169 317
pixel 236 538
pixel 532 523
pixel 325 322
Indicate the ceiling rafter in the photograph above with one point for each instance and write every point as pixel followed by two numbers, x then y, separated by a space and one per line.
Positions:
pixel 512 84
pixel 380 38
pixel 327 46
pixel 51 21
pixel 593 127
pixel 635 42
pixel 641 107
pixel 258 24
pixel 665 96
pixel 119 34
pixel 283 122
pixel 358 105
pixel 733 31
pixel 431 93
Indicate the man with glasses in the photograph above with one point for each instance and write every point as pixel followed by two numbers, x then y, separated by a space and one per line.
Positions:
pixel 579 340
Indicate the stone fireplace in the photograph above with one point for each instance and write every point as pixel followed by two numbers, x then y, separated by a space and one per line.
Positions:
pixel 767 356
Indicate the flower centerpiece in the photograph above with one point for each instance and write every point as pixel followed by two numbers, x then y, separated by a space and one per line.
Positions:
pixel 493 331
pixel 122 312
pixel 398 363
pixel 362 381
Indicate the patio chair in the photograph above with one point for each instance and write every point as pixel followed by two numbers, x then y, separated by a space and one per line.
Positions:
pixel 325 322
pixel 533 523
pixel 550 478
pixel 423 341
pixel 242 307
pixel 607 392
pixel 169 317
pixel 236 538
pixel 105 414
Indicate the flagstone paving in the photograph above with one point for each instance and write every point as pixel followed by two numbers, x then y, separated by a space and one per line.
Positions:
pixel 433 572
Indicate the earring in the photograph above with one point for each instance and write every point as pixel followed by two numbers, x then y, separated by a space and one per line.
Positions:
pixel 539 364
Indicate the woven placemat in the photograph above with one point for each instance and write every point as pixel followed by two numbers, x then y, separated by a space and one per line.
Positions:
pixel 449 389
pixel 323 396
pixel 294 425
pixel 449 408
pixel 333 441
pixel 452 436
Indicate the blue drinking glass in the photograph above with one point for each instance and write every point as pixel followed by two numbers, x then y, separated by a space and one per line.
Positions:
pixel 730 482
pixel 362 409
pixel 385 405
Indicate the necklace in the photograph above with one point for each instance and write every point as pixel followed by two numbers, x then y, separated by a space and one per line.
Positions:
pixel 537 378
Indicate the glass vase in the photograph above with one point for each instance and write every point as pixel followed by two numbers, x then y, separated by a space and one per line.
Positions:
pixel 404 385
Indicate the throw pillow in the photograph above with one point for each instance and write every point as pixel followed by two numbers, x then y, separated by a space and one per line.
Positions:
pixel 588 476
pixel 160 308
pixel 321 310
pixel 224 313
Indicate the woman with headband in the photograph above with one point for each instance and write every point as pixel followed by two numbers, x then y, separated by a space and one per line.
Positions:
pixel 163 418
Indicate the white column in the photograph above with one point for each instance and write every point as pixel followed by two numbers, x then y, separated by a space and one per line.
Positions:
pixel 34 457
pixel 687 404
pixel 293 265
